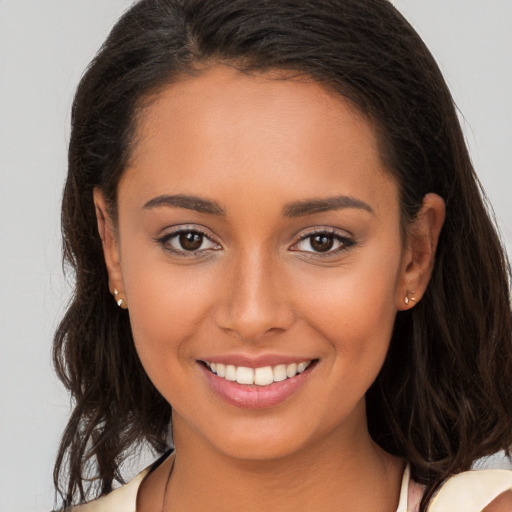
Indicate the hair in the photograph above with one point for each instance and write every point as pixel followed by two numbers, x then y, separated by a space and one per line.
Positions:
pixel 442 398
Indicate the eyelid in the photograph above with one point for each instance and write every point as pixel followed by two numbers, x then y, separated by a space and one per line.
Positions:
pixel 173 231
pixel 343 236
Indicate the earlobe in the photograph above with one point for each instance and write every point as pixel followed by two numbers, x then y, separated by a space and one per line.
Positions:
pixel 419 255
pixel 109 241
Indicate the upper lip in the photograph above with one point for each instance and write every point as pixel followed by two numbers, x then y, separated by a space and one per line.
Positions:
pixel 255 361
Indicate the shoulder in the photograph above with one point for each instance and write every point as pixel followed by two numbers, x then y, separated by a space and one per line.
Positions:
pixel 123 499
pixel 475 491
pixel 503 503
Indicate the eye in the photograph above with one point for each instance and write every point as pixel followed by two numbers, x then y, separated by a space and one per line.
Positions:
pixel 187 241
pixel 323 242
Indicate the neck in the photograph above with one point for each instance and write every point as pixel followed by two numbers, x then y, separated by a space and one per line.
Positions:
pixel 340 472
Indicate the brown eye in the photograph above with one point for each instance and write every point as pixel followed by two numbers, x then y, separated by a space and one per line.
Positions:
pixel 187 243
pixel 191 241
pixel 322 242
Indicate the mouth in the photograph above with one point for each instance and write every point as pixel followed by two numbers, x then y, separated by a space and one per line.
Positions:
pixel 262 376
pixel 260 387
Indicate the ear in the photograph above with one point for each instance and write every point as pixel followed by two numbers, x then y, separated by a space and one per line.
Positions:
pixel 419 254
pixel 110 243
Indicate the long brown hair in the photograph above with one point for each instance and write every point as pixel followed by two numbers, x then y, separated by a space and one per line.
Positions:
pixel 443 397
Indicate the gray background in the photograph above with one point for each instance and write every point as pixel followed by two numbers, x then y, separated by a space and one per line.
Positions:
pixel 44 47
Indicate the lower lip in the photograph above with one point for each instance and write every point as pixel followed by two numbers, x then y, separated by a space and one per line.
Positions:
pixel 252 396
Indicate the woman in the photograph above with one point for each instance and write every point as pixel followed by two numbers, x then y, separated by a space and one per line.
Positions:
pixel 276 231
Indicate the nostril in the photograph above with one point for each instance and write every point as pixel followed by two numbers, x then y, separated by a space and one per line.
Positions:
pixel 251 322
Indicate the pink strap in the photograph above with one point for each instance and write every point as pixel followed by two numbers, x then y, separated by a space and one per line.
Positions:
pixel 415 494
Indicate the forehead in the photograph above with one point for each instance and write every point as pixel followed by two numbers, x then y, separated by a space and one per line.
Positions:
pixel 224 127
pixel 255 100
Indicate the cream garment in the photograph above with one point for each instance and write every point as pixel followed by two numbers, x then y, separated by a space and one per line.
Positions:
pixel 466 492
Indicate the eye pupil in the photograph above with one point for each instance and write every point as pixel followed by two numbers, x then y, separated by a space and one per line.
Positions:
pixel 322 243
pixel 191 241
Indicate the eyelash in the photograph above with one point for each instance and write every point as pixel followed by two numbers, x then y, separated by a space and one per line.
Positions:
pixel 165 241
pixel 345 242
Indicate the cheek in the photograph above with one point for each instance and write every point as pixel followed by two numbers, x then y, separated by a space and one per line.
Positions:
pixel 355 296
pixel 166 305
pixel 355 311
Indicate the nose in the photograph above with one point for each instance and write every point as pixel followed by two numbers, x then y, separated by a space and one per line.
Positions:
pixel 255 301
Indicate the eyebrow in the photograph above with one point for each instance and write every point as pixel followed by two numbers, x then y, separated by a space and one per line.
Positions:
pixel 188 202
pixel 312 206
pixel 295 209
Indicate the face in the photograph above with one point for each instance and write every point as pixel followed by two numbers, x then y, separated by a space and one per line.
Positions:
pixel 260 256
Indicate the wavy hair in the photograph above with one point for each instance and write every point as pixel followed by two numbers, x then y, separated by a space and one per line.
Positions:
pixel 443 397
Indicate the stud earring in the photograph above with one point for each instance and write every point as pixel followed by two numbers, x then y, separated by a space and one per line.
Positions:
pixel 119 302
pixel 406 300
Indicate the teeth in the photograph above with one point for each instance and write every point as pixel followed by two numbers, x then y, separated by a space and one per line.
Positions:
pixel 230 373
pixel 263 376
pixel 244 375
pixel 279 372
pixel 291 370
pixel 301 367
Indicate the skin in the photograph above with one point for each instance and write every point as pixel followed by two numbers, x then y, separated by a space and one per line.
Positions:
pixel 255 144
pixel 502 503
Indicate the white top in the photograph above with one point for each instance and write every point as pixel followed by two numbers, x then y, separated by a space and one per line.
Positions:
pixel 470 491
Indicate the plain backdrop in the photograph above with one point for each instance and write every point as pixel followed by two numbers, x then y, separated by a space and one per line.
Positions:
pixel 44 48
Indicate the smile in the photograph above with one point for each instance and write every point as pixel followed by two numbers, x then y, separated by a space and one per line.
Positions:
pixel 263 376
